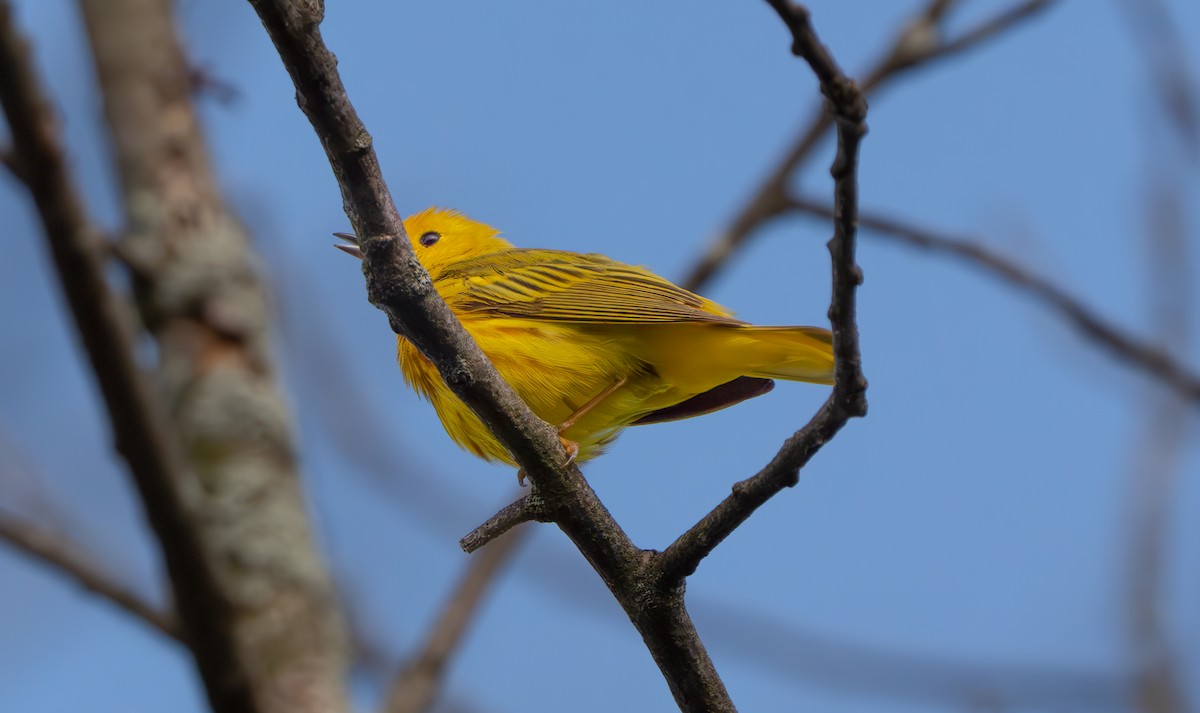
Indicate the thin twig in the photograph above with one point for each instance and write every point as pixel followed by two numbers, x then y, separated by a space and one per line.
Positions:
pixel 416 687
pixel 399 285
pixel 917 44
pixel 992 28
pixel 58 553
pixel 520 511
pixel 205 82
pixel 848 399
pixel 1147 358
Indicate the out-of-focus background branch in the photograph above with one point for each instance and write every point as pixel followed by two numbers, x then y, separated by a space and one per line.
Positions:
pixel 418 683
pixel 920 41
pixel 990 543
pixel 56 551
pixel 209 446
pixel 1151 359
pixel 1160 446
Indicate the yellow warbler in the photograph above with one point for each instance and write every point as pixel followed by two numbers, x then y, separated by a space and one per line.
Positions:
pixel 591 344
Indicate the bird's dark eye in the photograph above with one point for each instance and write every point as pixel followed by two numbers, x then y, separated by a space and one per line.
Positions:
pixel 430 238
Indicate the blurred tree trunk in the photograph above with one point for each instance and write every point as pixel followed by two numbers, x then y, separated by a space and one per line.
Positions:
pixel 259 610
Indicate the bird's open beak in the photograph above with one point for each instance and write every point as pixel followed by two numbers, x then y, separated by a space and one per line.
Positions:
pixel 352 248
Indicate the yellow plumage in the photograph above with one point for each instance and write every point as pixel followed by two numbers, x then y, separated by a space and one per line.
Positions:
pixel 592 344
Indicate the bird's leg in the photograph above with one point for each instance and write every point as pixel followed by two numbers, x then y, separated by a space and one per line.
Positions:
pixel 591 404
pixel 571 447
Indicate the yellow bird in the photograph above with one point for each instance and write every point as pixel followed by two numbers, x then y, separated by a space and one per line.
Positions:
pixel 592 345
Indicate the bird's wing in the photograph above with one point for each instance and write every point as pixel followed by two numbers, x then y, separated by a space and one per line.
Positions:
pixel 570 287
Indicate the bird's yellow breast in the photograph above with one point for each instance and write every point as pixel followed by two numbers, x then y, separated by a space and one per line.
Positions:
pixel 555 369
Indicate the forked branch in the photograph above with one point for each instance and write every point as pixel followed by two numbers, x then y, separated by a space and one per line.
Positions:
pixel 848 106
pixel 399 285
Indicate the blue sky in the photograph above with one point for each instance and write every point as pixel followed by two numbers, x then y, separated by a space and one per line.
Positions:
pixel 979 517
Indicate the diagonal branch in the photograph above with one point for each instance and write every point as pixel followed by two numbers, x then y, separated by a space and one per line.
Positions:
pixel 1150 360
pixel 60 554
pixel 916 45
pixel 848 400
pixel 416 687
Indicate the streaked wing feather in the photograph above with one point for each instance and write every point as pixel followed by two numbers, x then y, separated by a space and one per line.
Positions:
pixel 570 287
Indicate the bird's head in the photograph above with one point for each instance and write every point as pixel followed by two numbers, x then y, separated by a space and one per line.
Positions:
pixel 440 237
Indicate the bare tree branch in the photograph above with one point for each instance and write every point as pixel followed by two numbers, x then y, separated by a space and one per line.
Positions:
pixel 903 677
pixel 221 626
pixel 917 44
pixel 1150 360
pixel 994 27
pixel 137 419
pixel 58 553
pixel 525 509
pixel 416 687
pixel 849 107
pixel 140 426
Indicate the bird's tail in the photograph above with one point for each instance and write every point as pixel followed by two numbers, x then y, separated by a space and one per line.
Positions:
pixel 790 353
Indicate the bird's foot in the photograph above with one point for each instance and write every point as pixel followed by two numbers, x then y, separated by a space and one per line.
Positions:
pixel 572 449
